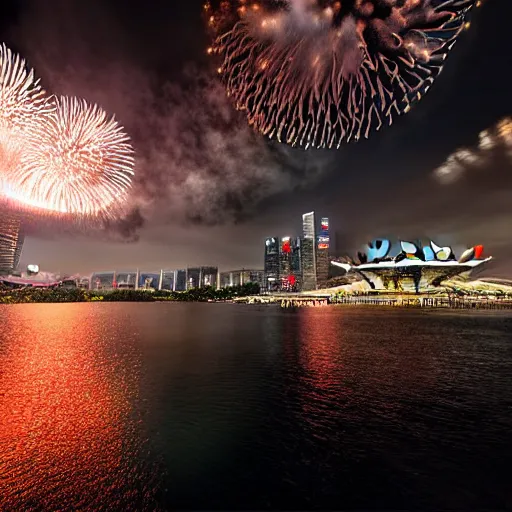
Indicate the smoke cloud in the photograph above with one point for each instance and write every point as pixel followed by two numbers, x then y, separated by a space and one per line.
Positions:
pixel 494 149
pixel 197 161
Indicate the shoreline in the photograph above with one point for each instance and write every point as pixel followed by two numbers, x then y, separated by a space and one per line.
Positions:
pixel 251 296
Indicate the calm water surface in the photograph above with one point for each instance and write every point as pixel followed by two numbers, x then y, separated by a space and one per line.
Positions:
pixel 216 406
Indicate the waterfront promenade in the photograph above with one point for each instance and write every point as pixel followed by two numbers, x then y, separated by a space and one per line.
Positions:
pixel 405 301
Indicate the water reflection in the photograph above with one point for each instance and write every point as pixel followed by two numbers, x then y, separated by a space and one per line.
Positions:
pixel 252 408
pixel 66 435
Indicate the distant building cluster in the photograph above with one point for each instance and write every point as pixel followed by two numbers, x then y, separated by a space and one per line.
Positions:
pixel 291 264
pixel 172 280
pixel 298 263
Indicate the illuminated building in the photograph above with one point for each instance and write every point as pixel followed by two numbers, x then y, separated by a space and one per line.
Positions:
pixel 296 262
pixel 200 277
pixel 11 242
pixel 285 264
pixel 148 280
pixel 209 277
pixel 309 271
pixel 271 263
pixel 241 277
pixel 173 280
pixel 126 280
pixel 409 267
pixel 102 280
pixel 289 264
pixel 322 252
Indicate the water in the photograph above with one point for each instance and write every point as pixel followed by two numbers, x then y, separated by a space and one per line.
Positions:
pixel 213 406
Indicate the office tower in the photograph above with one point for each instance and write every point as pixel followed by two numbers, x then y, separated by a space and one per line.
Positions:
pixel 285 263
pixel 290 272
pixel 296 262
pixel 322 252
pixel 271 266
pixel 309 278
pixel 11 241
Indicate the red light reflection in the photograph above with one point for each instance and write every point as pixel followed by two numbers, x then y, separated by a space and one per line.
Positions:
pixel 64 410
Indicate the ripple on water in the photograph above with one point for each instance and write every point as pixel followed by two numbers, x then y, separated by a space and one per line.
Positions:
pixel 214 406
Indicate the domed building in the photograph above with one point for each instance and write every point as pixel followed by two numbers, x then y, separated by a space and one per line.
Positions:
pixel 411 266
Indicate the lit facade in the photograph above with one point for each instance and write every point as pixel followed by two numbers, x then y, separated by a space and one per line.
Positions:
pixel 241 277
pixel 200 277
pixel 412 268
pixel 172 280
pixel 271 263
pixel 322 252
pixel 308 252
pixel 290 275
pixel 11 242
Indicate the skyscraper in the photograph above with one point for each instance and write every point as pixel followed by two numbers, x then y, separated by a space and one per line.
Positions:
pixel 271 265
pixel 285 263
pixel 308 252
pixel 11 241
pixel 289 264
pixel 296 262
pixel 322 252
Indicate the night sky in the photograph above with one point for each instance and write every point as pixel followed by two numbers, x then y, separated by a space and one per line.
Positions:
pixel 208 190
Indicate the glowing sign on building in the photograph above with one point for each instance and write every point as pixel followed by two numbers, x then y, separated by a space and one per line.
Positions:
pixel 323 239
pixel 286 247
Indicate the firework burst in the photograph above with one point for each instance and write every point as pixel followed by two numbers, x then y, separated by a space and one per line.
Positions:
pixel 321 72
pixel 21 96
pixel 76 161
pixel 22 102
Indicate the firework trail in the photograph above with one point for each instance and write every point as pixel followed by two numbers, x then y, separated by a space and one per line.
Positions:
pixel 22 101
pixel 76 161
pixel 320 72
pixel 497 140
pixel 21 96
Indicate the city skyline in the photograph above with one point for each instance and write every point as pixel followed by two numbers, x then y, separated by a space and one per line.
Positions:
pixel 244 188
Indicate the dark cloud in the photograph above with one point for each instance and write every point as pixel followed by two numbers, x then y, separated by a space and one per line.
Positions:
pixel 197 160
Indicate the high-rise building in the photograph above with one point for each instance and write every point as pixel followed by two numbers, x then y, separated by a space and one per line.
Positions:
pixel 322 252
pixel 11 241
pixel 289 264
pixel 271 266
pixel 296 262
pixel 308 252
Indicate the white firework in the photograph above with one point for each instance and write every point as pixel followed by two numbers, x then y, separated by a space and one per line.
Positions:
pixel 77 161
